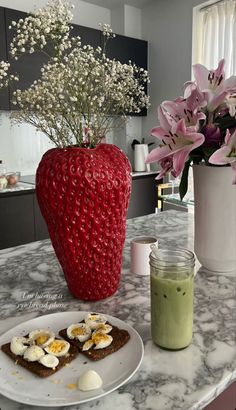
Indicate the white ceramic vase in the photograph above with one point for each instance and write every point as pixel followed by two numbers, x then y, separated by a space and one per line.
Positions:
pixel 215 218
pixel 140 155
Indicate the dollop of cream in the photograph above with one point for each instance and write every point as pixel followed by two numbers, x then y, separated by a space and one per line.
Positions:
pixel 90 380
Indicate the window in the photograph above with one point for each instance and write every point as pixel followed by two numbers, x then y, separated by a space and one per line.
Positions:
pixel 214 35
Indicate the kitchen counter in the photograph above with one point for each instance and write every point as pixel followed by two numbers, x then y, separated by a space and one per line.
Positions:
pixel 27 182
pixel 19 188
pixel 30 179
pixel 188 379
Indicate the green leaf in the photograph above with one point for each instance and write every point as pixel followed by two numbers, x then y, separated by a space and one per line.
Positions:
pixel 208 151
pixel 183 186
pixel 226 122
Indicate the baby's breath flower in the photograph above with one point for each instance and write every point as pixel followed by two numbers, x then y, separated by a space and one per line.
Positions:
pixel 79 88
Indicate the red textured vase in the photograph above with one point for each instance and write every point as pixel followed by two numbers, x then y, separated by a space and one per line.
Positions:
pixel 83 195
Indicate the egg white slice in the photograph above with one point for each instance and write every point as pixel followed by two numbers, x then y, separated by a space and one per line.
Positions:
pixel 33 353
pixel 94 320
pixel 49 360
pixel 58 347
pixel 79 331
pixel 19 345
pixel 42 337
pixel 101 340
pixel 87 345
pixel 89 380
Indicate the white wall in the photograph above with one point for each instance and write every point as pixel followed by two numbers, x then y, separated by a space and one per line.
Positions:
pixel 85 14
pixel 133 21
pixel 21 147
pixel 167 25
pixel 126 20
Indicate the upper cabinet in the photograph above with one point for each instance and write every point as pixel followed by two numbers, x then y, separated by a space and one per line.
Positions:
pixel 127 49
pixel 28 67
pixel 88 35
pixel 4 96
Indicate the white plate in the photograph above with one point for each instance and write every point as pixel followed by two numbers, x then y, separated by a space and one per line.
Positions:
pixel 20 385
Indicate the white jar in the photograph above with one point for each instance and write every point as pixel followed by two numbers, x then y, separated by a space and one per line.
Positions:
pixel 3 182
pixel 140 155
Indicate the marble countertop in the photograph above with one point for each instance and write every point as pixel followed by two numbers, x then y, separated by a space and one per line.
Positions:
pixel 19 187
pixel 185 380
pixel 27 182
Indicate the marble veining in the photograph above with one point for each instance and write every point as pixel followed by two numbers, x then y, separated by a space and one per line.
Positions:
pixel 33 284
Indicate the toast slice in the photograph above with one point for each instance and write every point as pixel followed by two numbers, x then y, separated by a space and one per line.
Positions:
pixel 120 338
pixel 36 367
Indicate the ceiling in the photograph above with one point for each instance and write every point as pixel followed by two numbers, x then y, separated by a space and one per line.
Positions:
pixel 112 4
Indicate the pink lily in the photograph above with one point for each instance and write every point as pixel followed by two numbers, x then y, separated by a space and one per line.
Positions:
pixel 166 165
pixel 213 85
pixel 177 142
pixel 188 108
pixel 226 154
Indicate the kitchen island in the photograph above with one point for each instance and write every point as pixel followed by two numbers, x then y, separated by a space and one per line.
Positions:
pixel 188 379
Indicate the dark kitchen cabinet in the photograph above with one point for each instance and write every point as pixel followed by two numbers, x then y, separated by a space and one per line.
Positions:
pixel 28 66
pixel 143 200
pixel 16 220
pixel 124 48
pixel 127 49
pixel 41 230
pixel 88 35
pixel 4 93
pixel 20 219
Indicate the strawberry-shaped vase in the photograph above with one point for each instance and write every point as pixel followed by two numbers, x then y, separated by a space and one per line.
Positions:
pixel 83 195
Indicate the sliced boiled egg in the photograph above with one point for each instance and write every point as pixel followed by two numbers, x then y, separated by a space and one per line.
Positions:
pixel 42 337
pixel 19 345
pixel 58 347
pixel 49 360
pixel 94 320
pixel 90 380
pixel 33 353
pixel 100 340
pixel 79 331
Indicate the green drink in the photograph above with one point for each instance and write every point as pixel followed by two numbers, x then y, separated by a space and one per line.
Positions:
pixel 172 298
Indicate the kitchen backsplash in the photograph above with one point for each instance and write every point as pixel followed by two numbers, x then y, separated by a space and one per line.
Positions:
pixel 21 146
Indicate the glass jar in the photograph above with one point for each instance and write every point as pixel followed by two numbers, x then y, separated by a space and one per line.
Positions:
pixel 3 179
pixel 172 283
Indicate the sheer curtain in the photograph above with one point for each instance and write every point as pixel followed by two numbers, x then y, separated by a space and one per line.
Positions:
pixel 218 35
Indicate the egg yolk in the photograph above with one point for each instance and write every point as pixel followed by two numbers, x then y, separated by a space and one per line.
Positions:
pixel 56 346
pixel 41 339
pixel 100 337
pixel 78 331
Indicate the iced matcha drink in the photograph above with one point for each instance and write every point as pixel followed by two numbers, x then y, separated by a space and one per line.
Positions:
pixel 171 309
